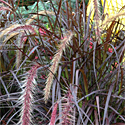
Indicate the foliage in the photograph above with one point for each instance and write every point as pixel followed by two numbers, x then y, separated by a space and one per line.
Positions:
pixel 60 64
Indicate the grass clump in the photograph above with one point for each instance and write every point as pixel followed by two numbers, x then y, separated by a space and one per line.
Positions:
pixel 72 63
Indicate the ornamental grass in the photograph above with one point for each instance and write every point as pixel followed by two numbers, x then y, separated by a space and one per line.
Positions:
pixel 62 62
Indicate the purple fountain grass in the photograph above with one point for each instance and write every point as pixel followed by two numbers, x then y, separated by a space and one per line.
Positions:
pixel 27 96
pixel 67 109
pixel 97 19
pixel 53 116
pixel 55 63
pixel 7 30
pixel 24 27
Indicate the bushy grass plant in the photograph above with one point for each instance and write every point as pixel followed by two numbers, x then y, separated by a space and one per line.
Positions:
pixel 62 62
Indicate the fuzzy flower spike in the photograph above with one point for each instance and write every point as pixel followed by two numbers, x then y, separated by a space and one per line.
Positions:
pixel 27 96
pixel 55 62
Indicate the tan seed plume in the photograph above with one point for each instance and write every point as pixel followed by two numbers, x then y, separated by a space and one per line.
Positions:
pixel 111 18
pixel 42 13
pixel 97 19
pixel 55 63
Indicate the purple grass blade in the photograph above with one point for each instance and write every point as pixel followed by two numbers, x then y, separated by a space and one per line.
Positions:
pixel 107 103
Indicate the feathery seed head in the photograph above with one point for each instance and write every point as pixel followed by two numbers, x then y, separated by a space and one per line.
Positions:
pixel 97 19
pixel 112 17
pixel 55 62
pixel 27 96
pixel 7 30
pixel 24 27
pixel 53 116
pixel 67 109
